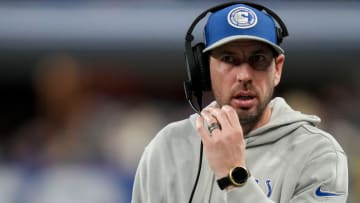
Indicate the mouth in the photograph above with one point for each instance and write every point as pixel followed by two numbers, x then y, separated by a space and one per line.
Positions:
pixel 244 97
pixel 244 100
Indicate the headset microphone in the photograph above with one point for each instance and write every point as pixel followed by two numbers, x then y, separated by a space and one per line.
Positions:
pixel 188 96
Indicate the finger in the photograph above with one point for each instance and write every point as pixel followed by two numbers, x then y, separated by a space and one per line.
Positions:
pixel 210 120
pixel 221 116
pixel 214 126
pixel 232 116
pixel 201 129
pixel 208 117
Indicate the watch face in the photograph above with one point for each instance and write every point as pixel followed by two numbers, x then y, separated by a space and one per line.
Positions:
pixel 238 176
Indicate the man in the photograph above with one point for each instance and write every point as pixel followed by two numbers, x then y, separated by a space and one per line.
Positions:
pixel 257 149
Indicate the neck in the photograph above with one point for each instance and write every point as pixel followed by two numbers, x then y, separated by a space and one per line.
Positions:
pixel 263 119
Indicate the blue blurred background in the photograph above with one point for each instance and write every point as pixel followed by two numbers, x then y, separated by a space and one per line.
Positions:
pixel 86 84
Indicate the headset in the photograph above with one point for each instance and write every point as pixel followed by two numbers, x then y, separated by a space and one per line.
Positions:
pixel 197 62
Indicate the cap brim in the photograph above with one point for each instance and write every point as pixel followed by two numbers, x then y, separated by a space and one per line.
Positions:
pixel 242 37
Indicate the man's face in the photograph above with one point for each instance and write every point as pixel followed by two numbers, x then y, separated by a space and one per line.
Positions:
pixel 244 75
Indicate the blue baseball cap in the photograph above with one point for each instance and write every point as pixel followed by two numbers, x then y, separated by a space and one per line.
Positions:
pixel 240 22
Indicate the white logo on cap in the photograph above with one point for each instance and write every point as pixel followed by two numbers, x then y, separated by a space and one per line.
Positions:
pixel 242 17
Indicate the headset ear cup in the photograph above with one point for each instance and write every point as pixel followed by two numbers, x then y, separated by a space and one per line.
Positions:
pixel 279 35
pixel 202 64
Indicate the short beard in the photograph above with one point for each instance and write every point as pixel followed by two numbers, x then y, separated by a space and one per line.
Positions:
pixel 248 122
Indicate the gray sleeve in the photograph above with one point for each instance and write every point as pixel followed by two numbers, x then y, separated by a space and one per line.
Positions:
pixel 139 188
pixel 160 174
pixel 324 179
pixel 149 179
pixel 249 193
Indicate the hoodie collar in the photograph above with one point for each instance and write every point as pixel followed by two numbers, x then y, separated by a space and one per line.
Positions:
pixel 283 120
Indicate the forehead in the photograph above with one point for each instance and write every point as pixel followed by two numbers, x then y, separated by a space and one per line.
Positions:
pixel 244 46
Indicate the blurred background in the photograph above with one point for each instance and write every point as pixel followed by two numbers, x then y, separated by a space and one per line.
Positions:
pixel 86 84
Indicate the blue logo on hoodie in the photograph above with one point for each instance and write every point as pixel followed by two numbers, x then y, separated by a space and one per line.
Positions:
pixel 320 193
pixel 268 185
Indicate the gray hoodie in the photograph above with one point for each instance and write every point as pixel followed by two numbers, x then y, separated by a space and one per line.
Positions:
pixel 290 161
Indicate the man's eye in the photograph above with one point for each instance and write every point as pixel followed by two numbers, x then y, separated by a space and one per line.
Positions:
pixel 229 59
pixel 258 58
pixel 260 61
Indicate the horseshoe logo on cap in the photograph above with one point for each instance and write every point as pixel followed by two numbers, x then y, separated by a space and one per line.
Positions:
pixel 242 17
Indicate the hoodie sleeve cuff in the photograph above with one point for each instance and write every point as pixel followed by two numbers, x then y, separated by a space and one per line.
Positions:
pixel 250 192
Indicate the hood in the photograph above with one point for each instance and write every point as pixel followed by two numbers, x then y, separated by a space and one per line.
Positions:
pixel 283 121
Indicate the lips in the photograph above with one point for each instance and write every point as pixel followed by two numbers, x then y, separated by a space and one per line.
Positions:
pixel 244 99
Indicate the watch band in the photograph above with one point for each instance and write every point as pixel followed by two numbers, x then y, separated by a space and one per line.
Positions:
pixel 224 182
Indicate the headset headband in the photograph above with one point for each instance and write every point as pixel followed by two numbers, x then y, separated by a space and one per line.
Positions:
pixel 189 37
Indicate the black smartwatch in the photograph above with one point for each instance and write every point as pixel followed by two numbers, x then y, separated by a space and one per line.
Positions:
pixel 237 177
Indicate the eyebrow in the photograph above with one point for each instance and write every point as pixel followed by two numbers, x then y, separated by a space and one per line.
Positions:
pixel 261 50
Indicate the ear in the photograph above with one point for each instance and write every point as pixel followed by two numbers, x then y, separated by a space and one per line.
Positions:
pixel 279 62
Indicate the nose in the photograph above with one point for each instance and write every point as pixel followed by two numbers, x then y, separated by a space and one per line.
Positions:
pixel 243 73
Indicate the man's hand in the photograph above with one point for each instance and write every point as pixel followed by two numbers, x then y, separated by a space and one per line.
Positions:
pixel 225 146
